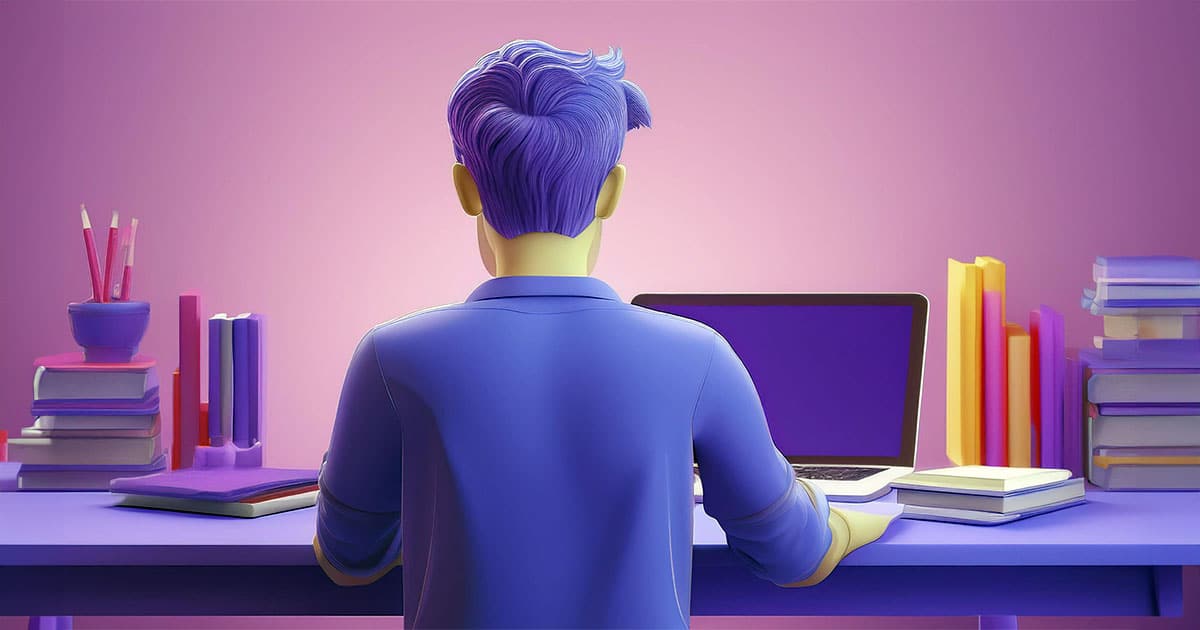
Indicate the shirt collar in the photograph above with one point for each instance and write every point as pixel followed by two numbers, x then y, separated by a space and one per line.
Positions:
pixel 529 286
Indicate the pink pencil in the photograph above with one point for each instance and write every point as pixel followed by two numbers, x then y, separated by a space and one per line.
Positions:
pixel 93 263
pixel 109 255
pixel 127 276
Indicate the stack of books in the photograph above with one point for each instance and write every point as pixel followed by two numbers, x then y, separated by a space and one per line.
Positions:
pixel 242 492
pixel 1143 378
pixel 1006 384
pixel 986 495
pixel 93 422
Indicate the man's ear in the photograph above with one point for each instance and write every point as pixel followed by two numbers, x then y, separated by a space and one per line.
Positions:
pixel 468 192
pixel 610 192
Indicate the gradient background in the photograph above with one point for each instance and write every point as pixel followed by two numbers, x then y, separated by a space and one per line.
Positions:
pixel 293 159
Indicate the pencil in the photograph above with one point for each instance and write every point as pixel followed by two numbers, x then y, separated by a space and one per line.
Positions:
pixel 89 244
pixel 108 257
pixel 127 276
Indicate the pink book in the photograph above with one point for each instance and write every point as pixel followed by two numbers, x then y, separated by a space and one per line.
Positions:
pixel 73 362
pixel 189 378
pixel 995 381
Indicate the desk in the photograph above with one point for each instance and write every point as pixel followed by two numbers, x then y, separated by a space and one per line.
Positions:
pixel 74 554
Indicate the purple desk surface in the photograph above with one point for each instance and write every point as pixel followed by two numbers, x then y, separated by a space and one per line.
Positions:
pixel 1120 554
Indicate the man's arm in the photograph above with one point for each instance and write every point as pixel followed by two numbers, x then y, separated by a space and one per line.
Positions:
pixel 358 509
pixel 789 536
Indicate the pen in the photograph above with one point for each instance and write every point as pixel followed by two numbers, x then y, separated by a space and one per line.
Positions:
pixel 108 257
pixel 122 254
pixel 89 244
pixel 127 276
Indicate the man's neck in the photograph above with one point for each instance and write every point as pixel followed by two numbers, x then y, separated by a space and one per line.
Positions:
pixel 543 253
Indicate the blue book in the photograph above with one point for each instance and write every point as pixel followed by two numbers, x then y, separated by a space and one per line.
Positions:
pixel 255 373
pixel 1132 308
pixel 241 381
pixel 1182 350
pixel 216 377
pixel 1146 270
pixel 1097 360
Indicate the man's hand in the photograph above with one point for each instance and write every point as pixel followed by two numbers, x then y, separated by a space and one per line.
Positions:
pixel 851 530
pixel 341 579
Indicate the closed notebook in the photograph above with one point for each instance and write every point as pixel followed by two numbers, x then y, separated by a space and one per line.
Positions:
pixel 94 385
pixel 273 503
pixel 216 484
pixel 96 422
pixel 1020 501
pixel 993 479
pixel 979 517
pixel 964 350
pixel 1139 386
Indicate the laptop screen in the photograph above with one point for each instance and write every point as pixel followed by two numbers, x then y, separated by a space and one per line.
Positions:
pixel 838 374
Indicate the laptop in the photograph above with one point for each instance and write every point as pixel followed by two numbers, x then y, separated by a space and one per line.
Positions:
pixel 839 376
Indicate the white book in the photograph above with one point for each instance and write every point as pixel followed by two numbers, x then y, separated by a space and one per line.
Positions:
pixel 85 451
pixel 92 385
pixel 1018 502
pixel 53 423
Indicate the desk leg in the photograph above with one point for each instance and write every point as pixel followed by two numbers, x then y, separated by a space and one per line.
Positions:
pixel 997 622
pixel 51 623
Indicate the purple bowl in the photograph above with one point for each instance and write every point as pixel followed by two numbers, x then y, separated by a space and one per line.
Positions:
pixel 109 332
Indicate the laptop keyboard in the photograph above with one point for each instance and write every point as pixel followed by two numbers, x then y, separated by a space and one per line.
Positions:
pixel 835 473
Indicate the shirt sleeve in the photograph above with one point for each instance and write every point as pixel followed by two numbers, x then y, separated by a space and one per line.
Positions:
pixel 358 509
pixel 749 488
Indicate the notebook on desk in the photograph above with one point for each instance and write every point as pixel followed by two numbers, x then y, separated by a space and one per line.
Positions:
pixel 839 375
pixel 243 492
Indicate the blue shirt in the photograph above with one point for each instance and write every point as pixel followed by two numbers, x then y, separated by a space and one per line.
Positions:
pixel 531 451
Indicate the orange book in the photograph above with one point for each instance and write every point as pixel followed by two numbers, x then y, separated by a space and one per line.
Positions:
pixel 175 420
pixel 1020 419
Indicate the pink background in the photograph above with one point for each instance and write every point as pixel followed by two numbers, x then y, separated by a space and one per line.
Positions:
pixel 294 160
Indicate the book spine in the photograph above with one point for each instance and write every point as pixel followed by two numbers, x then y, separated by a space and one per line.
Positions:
pixel 241 382
pixel 1035 388
pixel 189 377
pixel 995 390
pixel 963 356
pixel 226 409
pixel 1019 418
pixel 175 420
pixel 257 394
pixel 214 382
pixel 1073 419
pixel 1052 368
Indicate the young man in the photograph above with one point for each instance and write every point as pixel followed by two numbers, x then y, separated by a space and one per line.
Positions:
pixel 531 448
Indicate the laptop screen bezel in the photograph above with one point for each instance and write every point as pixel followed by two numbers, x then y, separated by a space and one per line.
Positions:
pixel 916 351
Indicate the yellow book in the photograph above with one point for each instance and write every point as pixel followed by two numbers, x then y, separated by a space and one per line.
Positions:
pixel 983 478
pixel 964 361
pixel 994 279
pixel 1020 417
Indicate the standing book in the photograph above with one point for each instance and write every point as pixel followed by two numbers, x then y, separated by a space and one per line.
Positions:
pixel 964 349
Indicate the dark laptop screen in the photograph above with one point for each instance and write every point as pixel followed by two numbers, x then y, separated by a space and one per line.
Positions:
pixel 834 379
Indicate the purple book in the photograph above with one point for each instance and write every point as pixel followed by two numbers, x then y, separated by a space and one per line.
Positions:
pixel 1146 270
pixel 1183 351
pixel 256 393
pixel 1048 326
pixel 247 380
pixel 1073 433
pixel 214 381
pixel 105 407
pixel 241 382
pixel 995 373
pixel 216 484
pixel 1145 387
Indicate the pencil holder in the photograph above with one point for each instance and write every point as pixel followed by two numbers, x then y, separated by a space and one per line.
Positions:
pixel 109 332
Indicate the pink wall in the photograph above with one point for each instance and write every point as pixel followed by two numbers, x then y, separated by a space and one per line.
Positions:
pixel 294 160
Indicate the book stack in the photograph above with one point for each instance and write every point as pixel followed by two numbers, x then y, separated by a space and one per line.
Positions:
pixel 986 495
pixel 1005 383
pixel 93 422
pixel 1143 377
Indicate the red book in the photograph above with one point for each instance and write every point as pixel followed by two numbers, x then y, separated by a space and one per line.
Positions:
pixel 3 445
pixel 204 440
pixel 175 421
pixel 189 377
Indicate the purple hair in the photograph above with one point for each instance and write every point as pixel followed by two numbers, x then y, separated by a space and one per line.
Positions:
pixel 539 129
